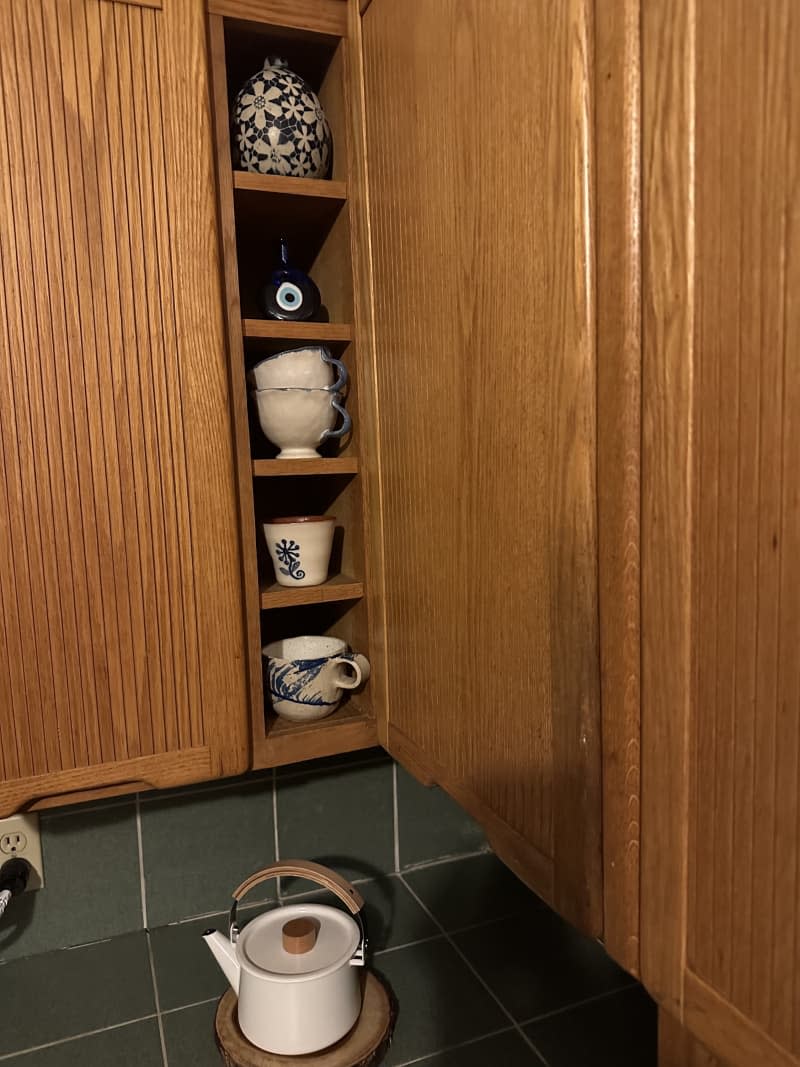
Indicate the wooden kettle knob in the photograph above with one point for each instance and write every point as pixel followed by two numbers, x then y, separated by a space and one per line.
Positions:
pixel 299 936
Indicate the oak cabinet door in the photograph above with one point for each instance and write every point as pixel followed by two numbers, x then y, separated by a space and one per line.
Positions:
pixel 721 523
pixel 121 640
pixel 478 134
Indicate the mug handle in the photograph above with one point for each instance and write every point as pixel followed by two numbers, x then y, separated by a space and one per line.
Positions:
pixel 358 664
pixel 341 381
pixel 346 425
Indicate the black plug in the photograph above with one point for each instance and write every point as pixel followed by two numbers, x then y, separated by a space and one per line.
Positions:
pixel 14 875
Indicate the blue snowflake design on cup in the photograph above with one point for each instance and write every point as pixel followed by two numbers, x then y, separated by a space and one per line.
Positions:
pixel 288 552
pixel 279 124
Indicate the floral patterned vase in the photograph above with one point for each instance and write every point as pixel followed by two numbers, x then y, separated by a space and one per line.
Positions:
pixel 279 124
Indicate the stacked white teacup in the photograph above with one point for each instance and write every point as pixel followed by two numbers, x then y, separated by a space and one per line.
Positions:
pixel 298 397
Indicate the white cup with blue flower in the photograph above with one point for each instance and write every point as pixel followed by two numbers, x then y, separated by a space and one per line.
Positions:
pixel 300 547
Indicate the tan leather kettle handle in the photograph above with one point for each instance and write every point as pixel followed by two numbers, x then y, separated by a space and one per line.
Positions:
pixel 314 872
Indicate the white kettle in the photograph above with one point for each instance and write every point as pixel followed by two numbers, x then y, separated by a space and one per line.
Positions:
pixel 292 968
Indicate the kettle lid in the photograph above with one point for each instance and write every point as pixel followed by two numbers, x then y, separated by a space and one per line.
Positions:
pixel 298 942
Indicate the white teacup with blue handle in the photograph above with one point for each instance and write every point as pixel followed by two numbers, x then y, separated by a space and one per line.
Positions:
pixel 311 367
pixel 307 676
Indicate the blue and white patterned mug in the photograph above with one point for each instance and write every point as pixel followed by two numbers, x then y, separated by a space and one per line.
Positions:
pixel 308 675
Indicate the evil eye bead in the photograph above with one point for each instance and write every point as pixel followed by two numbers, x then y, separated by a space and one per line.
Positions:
pixel 289 297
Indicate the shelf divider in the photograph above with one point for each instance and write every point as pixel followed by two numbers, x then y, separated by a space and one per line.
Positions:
pixel 337 588
pixel 278 185
pixel 350 728
pixel 274 329
pixel 283 468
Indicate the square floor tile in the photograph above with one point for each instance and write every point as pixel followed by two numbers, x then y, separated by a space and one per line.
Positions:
pixel 393 915
pixel 198 847
pixel 441 1002
pixel 342 818
pixel 471 890
pixel 83 989
pixel 430 823
pixel 67 912
pixel 186 971
pixel 189 1036
pixel 132 1045
pixel 502 1050
pixel 615 1031
pixel 537 963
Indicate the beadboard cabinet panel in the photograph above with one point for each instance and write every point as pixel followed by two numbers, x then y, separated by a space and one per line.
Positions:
pixel 721 519
pixel 121 638
pixel 478 123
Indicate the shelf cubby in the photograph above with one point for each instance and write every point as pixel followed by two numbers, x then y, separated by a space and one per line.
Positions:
pixel 315 217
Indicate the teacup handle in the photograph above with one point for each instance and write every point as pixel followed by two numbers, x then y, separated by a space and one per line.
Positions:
pixel 358 664
pixel 341 370
pixel 346 424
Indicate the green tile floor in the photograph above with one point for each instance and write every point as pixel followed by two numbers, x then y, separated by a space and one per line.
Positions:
pixel 485 973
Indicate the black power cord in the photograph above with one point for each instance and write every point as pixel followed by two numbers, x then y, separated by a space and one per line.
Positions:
pixel 14 875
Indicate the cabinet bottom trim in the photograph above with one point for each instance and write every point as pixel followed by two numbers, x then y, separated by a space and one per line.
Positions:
pixel 106 779
pixel 728 1033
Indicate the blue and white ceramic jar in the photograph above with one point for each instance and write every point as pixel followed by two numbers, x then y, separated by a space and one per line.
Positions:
pixel 279 124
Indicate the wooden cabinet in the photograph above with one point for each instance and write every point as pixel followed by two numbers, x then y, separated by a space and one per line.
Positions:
pixel 121 645
pixel 560 251
pixel 478 142
pixel 721 523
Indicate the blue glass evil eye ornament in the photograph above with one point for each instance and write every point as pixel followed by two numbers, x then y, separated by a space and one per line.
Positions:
pixel 289 295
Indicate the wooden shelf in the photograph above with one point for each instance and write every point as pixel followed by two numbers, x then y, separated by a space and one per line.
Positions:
pixel 277 185
pixel 272 329
pixel 283 468
pixel 338 588
pixel 349 729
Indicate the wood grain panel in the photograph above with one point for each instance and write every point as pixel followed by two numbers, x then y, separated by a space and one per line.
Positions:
pixel 116 455
pixel 668 244
pixel 484 341
pixel 320 16
pixel 723 589
pixel 746 825
pixel 677 1047
pixel 619 311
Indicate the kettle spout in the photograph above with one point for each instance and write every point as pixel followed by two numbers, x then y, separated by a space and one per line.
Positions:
pixel 225 955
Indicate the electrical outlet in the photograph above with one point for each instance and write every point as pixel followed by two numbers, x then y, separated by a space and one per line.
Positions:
pixel 19 836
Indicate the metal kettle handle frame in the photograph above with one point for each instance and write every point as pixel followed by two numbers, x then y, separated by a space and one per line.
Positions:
pixel 313 872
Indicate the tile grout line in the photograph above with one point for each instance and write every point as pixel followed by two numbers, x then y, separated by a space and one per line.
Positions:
pixel 276 841
pixel 427 864
pixel 458 930
pixel 164 1056
pixel 140 848
pixel 467 963
pixel 396 818
pixel 187 1007
pixel 298 897
pixel 579 1004
pixel 460 1045
pixel 77 1037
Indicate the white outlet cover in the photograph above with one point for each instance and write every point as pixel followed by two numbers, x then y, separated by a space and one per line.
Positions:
pixel 28 827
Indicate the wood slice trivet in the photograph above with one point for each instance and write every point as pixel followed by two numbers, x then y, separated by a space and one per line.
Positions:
pixel 365 1045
